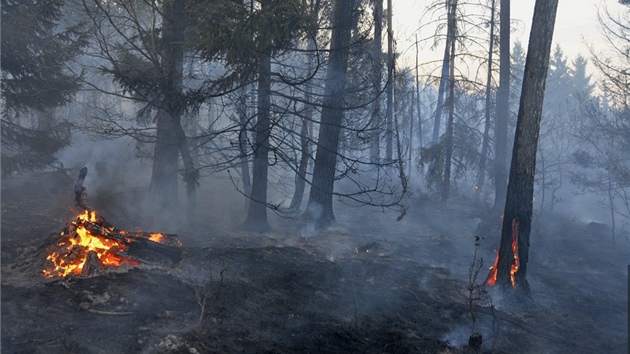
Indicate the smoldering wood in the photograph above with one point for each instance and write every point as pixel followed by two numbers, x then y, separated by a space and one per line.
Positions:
pixel 80 192
pixel 140 244
pixel 93 266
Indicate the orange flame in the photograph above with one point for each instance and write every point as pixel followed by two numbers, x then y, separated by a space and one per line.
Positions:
pixel 70 253
pixel 492 277
pixel 515 266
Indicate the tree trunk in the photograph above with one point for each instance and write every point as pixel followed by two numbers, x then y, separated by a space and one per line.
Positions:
pixel 257 211
pixel 420 143
pixel 242 140
pixel 389 129
pixel 307 122
pixel 520 190
pixel 320 207
pixel 164 170
pixel 486 129
pixel 503 108
pixel 377 76
pixel 443 79
pixel 170 137
pixel 446 184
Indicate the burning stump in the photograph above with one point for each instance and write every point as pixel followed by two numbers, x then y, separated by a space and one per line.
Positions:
pixel 90 244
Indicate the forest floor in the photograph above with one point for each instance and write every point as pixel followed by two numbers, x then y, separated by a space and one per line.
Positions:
pixel 288 291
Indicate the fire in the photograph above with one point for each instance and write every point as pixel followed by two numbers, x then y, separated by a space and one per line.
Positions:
pixel 84 235
pixel 492 278
pixel 514 267
pixel 157 237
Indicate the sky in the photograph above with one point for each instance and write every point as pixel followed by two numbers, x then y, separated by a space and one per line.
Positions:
pixel 576 26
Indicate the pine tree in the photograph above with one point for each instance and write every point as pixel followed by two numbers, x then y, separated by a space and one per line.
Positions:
pixel 36 51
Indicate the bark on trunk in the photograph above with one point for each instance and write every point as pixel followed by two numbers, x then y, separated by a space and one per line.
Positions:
pixel 481 180
pixel 320 207
pixel 242 141
pixel 420 142
pixel 169 130
pixel 377 76
pixel 446 186
pixel 503 108
pixel 520 190
pixel 164 170
pixel 443 82
pixel 257 211
pixel 389 129
pixel 305 136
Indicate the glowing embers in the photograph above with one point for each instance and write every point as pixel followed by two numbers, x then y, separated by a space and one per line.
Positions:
pixel 86 234
pixel 492 278
pixel 371 247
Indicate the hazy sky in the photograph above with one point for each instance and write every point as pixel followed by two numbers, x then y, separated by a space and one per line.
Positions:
pixel 576 25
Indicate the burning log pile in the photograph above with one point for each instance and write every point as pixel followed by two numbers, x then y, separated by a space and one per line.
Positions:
pixel 90 244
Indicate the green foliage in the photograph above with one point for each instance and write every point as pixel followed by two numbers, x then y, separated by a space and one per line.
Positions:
pixel 35 52
pixel 227 30
pixel 26 149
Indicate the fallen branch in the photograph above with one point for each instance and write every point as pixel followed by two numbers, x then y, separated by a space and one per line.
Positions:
pixel 109 313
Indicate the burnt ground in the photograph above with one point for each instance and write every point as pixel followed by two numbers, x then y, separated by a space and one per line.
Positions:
pixel 280 292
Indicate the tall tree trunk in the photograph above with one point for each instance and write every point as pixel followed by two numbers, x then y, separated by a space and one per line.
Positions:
pixel 503 108
pixel 171 139
pixel 257 211
pixel 242 140
pixel 389 129
pixel 164 170
pixel 443 82
pixel 320 207
pixel 165 164
pixel 377 76
pixel 452 29
pixel 411 108
pixel 420 143
pixel 520 191
pixel 307 122
pixel 486 129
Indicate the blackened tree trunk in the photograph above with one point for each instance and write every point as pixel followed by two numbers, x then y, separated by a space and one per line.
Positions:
pixel 481 179
pixel 257 210
pixel 520 190
pixel 452 29
pixel 503 108
pixel 320 206
pixel 377 77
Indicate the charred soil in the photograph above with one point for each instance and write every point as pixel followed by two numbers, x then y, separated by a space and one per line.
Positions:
pixel 367 285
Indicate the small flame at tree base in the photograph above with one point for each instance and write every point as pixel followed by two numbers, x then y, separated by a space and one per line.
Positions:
pixel 492 277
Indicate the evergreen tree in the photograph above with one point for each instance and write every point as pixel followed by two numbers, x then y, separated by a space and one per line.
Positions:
pixel 558 87
pixel 36 51
pixel 35 54
pixel 581 81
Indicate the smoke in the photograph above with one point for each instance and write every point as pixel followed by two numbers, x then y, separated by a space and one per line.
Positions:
pixel 314 211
